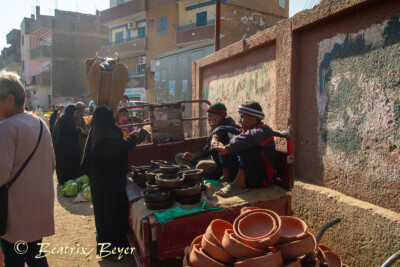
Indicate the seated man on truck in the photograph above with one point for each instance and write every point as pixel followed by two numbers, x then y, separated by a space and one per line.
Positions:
pixel 213 168
pixel 255 147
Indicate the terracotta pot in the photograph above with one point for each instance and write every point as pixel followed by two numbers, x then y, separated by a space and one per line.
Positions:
pixel 158 162
pixel 188 189
pixel 297 248
pixel 215 251
pixel 200 259
pixel 260 243
pixel 296 263
pixel 152 185
pixel 193 175
pixel 324 248
pixel 256 225
pixel 188 200
pixel 238 249
pixel 140 179
pixel 184 168
pixel 270 260
pixel 292 228
pixel 168 183
pixel 215 231
pixel 332 259
pixel 156 196
pixel 151 175
pixel 169 168
pixel 185 261
pixel 244 209
pixel 160 205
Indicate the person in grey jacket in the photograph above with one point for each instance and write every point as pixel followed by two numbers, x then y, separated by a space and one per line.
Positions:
pixel 255 147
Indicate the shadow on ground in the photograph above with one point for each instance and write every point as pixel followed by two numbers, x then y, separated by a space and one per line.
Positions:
pixel 81 208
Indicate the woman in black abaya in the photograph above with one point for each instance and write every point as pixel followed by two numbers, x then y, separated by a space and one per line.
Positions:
pixel 105 161
pixel 66 146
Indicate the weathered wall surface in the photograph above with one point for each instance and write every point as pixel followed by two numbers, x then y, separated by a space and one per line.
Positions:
pixel 347 130
pixel 333 75
pixel 245 78
pixel 239 22
pixel 367 234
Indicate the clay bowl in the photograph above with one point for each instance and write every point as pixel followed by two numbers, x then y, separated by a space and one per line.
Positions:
pixel 193 175
pixel 188 199
pixel 169 168
pixel 297 248
pixel 151 174
pixel 156 196
pixel 256 225
pixel 158 162
pixel 184 168
pixel 261 243
pixel 160 205
pixel 188 189
pixel 189 249
pixel 140 169
pixel 238 249
pixel 198 258
pixel 152 185
pixel 216 230
pixel 270 260
pixel 169 182
pixel 332 259
pixel 292 228
pixel 140 179
pixel 244 209
pixel 215 251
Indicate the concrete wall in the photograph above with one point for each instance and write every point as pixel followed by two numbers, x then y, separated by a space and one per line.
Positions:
pixel 330 77
pixel 238 22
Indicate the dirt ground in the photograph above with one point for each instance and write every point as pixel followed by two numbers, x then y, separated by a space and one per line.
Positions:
pixel 74 243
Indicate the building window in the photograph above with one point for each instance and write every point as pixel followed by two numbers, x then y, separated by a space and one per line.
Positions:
pixel 201 19
pixel 141 32
pixel 140 69
pixel 119 37
pixel 282 3
pixel 22 40
pixel 120 2
pixel 23 65
pixel 162 25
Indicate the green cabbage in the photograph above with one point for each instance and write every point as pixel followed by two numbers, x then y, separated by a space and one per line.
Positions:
pixel 70 190
pixel 84 186
pixel 87 193
pixel 84 179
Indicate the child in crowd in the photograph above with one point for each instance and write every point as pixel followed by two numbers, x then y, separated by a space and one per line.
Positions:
pixel 123 119
pixel 255 147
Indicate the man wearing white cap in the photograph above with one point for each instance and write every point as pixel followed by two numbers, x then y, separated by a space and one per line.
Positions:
pixel 256 149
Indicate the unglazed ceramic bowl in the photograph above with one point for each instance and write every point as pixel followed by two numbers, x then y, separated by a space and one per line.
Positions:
pixel 215 251
pixel 292 228
pixel 198 258
pixel 263 242
pixel 256 225
pixel 244 209
pixel 270 260
pixel 332 259
pixel 193 175
pixel 297 248
pixel 238 249
pixel 215 231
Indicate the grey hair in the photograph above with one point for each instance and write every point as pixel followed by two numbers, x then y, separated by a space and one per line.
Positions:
pixel 79 105
pixel 11 85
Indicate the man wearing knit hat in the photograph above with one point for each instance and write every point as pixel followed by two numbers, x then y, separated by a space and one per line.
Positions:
pixel 214 168
pixel 255 147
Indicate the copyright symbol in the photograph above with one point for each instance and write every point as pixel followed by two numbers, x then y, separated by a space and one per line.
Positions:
pixel 20 247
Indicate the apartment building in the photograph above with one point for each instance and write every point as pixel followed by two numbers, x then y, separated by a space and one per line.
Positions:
pixel 140 30
pixel 53 51
pixel 10 59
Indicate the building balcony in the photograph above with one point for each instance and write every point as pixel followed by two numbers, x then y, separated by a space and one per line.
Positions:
pixel 125 48
pixel 120 11
pixel 14 37
pixel 192 33
pixel 41 53
pixel 43 79
pixel 13 59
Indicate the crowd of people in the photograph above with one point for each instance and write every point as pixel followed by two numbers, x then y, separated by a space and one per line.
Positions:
pixel 241 155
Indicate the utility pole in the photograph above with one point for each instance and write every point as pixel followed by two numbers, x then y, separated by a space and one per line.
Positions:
pixel 217 24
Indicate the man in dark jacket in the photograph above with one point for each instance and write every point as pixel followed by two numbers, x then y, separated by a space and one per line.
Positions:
pixel 216 166
pixel 255 147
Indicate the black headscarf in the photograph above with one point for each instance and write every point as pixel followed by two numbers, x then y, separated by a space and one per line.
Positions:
pixel 102 126
pixel 66 119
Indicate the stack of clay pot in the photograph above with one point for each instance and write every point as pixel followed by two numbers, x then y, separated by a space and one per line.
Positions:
pixel 189 192
pixel 258 237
